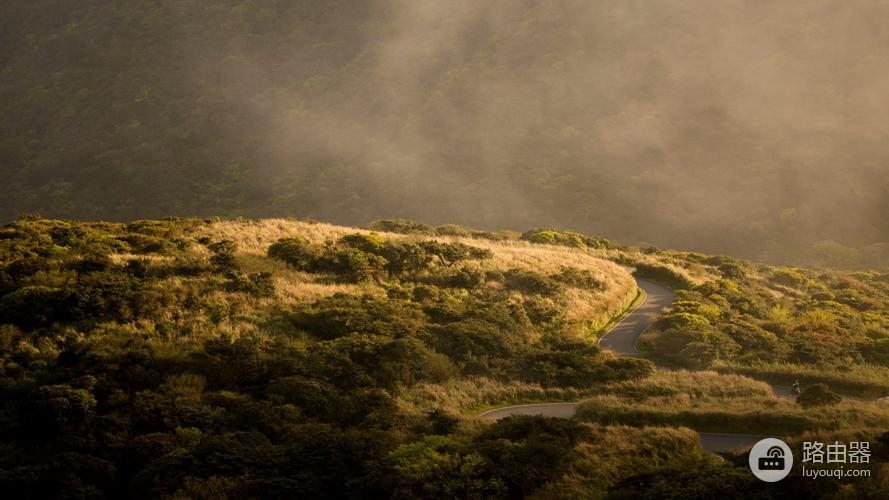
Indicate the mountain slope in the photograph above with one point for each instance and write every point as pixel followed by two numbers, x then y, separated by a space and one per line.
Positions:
pixel 291 358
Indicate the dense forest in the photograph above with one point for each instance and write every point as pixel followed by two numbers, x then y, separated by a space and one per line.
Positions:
pixel 756 129
pixel 277 358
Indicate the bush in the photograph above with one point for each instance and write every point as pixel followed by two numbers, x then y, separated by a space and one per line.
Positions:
pixel 578 278
pixel 140 243
pixel 256 284
pixel 465 277
pixel 565 238
pixel 818 395
pixel 33 306
pixel 352 265
pixel 403 226
pixel 788 277
pixel 451 253
pixel 529 282
pixel 342 314
pixel 223 259
pixel 295 252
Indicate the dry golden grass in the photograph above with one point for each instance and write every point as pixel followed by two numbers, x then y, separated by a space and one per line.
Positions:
pixel 696 274
pixel 612 453
pixel 709 401
pixel 583 307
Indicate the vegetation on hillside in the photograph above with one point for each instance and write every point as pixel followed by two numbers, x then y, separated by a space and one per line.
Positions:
pixel 203 358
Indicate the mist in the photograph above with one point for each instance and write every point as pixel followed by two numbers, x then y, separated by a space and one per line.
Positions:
pixel 750 128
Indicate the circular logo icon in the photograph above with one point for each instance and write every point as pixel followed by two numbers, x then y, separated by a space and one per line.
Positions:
pixel 771 460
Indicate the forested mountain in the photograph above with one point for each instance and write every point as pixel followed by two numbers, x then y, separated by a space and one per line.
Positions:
pixel 750 128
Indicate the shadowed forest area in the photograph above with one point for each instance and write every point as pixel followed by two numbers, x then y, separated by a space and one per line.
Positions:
pixel 754 129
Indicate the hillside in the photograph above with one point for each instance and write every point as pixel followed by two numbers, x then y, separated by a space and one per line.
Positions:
pixel 681 124
pixel 193 358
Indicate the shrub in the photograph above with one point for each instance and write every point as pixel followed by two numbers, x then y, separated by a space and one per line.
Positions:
pixel 451 230
pixel 451 253
pixel 565 238
pixel 223 259
pixel 464 277
pixel 256 284
pixel 788 277
pixel 91 263
pixel 352 265
pixel 342 314
pixel 371 243
pixel 529 282
pixel 140 243
pixel 295 252
pixel 579 278
pixel 33 306
pixel 403 226
pixel 818 395
pixel 554 237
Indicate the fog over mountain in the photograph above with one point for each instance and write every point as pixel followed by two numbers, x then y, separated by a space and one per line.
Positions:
pixel 753 128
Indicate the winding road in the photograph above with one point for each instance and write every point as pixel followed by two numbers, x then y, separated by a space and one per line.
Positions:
pixel 622 340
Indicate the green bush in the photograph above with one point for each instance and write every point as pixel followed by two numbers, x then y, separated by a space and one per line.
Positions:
pixel 578 278
pixel 34 306
pixel 403 226
pixel 144 244
pixel 256 284
pixel 531 283
pixel 342 314
pixel 351 265
pixel 223 258
pixel 817 395
pixel 565 238
pixel 294 251
pixel 788 277
pixel 449 254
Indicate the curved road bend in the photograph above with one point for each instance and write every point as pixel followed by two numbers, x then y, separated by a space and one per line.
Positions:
pixel 623 336
pixel 622 339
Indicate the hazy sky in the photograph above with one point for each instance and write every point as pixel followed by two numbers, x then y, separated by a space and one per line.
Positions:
pixel 705 114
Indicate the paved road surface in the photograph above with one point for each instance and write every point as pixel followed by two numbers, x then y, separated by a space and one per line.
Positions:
pixel 622 339
pixel 558 410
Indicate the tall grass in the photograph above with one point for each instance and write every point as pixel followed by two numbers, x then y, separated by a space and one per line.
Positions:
pixel 585 310
pixel 613 453
pixel 709 401
pixel 862 380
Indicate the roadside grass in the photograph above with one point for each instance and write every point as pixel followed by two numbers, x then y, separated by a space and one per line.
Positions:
pixel 630 306
pixel 612 453
pixel 862 381
pixel 709 401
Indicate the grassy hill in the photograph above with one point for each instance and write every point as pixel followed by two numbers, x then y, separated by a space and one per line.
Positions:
pixel 277 357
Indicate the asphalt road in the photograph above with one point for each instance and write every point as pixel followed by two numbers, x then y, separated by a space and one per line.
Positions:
pixel 622 339
pixel 623 336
